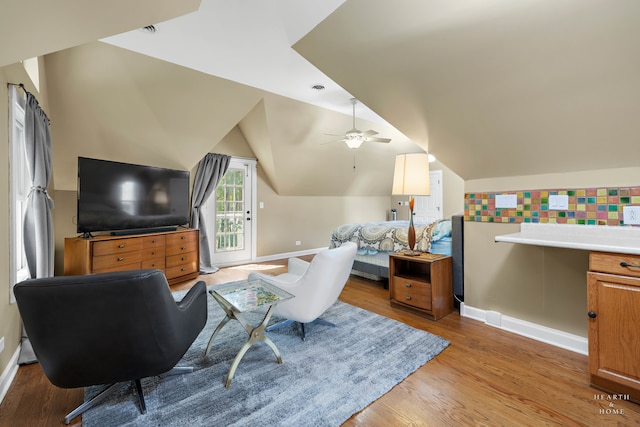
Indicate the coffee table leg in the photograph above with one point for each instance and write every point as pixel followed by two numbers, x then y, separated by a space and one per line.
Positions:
pixel 255 334
pixel 220 325
pixel 229 315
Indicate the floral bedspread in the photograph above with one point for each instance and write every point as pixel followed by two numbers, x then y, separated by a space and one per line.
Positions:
pixel 387 236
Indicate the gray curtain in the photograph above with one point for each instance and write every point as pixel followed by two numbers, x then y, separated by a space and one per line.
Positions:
pixel 210 171
pixel 38 223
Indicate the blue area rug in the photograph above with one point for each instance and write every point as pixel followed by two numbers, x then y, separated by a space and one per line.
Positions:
pixel 324 380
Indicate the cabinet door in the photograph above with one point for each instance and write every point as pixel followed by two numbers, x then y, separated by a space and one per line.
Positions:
pixel 614 319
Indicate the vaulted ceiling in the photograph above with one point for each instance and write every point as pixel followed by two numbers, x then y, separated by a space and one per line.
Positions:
pixel 496 87
pixel 493 88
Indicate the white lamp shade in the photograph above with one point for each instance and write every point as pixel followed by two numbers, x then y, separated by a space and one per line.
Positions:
pixel 411 174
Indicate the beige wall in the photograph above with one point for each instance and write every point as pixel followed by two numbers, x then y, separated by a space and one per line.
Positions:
pixel 542 285
pixel 287 219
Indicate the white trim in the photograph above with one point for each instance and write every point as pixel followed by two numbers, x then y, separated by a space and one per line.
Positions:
pixel 527 329
pixel 9 374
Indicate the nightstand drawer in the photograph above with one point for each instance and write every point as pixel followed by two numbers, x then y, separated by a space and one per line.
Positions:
pixel 412 292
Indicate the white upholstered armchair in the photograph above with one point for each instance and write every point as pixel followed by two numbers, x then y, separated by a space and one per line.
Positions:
pixel 316 285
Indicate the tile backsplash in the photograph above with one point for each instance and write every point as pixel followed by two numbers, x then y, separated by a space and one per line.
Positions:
pixel 590 206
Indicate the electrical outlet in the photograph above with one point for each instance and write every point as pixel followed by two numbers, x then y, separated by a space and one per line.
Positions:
pixel 506 201
pixel 631 215
pixel 298 242
pixel 558 202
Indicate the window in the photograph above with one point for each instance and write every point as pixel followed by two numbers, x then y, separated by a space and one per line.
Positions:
pixel 19 185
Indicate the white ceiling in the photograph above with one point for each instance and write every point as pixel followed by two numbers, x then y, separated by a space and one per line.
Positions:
pixel 30 28
pixel 249 42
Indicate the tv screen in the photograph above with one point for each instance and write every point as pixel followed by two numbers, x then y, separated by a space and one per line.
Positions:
pixel 123 196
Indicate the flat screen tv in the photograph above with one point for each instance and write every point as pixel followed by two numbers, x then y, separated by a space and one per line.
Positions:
pixel 114 196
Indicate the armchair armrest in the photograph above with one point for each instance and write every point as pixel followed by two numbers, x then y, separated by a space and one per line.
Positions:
pixel 297 266
pixel 194 294
pixel 286 283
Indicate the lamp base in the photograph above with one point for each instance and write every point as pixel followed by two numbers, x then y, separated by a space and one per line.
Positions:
pixel 411 253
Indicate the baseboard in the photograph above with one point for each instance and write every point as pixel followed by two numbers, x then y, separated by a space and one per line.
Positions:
pixel 274 257
pixel 534 331
pixel 9 374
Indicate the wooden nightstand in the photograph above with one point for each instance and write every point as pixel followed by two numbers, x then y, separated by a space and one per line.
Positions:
pixel 421 284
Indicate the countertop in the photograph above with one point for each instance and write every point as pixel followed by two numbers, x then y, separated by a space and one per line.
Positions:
pixel 601 238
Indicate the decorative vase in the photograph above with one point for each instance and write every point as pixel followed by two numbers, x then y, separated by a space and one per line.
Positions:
pixel 411 236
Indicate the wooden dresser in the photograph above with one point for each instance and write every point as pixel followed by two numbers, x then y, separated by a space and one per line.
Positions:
pixel 174 252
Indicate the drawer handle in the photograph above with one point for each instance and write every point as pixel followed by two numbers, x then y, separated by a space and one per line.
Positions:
pixel 121 245
pixel 183 237
pixel 408 285
pixel 120 259
pixel 592 314
pixel 626 264
pixel 153 253
pixel 183 248
pixel 183 259
pixel 183 269
pixel 408 298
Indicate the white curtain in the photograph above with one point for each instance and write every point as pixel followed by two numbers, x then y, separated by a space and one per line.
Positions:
pixel 210 171
pixel 38 222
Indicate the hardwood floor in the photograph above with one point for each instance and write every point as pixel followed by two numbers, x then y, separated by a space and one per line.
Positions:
pixel 486 377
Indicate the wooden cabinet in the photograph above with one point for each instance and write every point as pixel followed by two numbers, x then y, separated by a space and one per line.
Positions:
pixel 174 252
pixel 613 283
pixel 421 284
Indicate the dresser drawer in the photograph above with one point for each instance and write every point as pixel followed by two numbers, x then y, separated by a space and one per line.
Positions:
pixel 151 253
pixel 612 263
pixel 153 263
pixel 153 242
pixel 412 292
pixel 182 248
pixel 109 247
pixel 111 262
pixel 185 258
pixel 181 238
pixel 181 270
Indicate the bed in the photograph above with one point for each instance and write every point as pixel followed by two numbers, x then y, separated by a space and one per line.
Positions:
pixel 376 240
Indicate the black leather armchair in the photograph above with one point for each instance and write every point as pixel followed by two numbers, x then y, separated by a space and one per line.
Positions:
pixel 108 328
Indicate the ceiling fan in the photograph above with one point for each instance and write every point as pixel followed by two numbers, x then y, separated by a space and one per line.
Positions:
pixel 355 137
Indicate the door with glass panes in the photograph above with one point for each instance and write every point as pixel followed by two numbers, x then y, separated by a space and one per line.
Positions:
pixel 229 214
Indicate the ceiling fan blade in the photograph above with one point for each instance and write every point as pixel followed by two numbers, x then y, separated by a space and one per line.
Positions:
pixel 370 132
pixel 333 134
pixel 331 142
pixel 385 140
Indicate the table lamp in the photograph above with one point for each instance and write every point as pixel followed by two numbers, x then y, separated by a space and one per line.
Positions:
pixel 411 177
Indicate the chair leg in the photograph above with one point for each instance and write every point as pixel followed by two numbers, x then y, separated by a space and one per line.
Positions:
pixel 303 331
pixel 143 406
pixel 89 403
pixel 324 322
pixel 179 370
pixel 176 370
pixel 278 325
pixel 318 321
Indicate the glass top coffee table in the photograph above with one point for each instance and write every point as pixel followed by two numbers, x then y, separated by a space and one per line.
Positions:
pixel 240 297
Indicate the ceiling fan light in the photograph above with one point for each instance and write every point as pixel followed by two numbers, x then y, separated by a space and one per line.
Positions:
pixel 353 142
